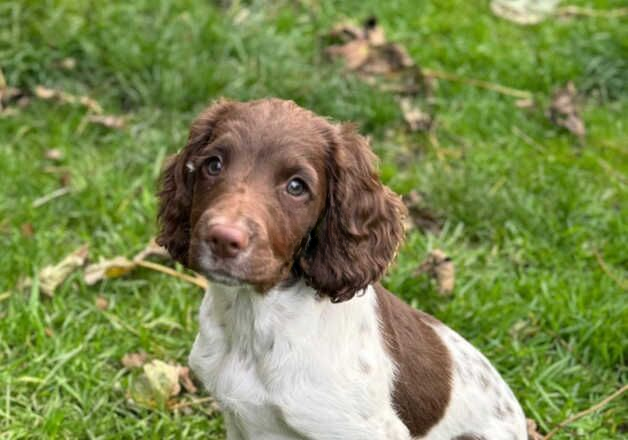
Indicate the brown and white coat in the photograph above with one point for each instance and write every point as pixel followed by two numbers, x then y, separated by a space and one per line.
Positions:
pixel 283 211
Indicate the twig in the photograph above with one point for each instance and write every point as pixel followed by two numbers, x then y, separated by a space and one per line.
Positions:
pixel 589 12
pixel 621 283
pixel 51 196
pixel 523 94
pixel 191 403
pixel 527 139
pixel 196 280
pixel 588 411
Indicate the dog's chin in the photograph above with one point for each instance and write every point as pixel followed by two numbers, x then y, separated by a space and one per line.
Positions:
pixel 224 278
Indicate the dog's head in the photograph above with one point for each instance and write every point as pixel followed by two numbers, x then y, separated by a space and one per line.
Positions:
pixel 265 191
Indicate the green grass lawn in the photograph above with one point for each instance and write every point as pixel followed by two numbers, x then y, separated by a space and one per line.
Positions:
pixel 536 223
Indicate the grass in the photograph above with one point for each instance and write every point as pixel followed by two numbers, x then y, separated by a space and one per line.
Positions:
pixel 535 222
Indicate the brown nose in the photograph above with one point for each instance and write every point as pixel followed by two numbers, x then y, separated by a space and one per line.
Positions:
pixel 227 241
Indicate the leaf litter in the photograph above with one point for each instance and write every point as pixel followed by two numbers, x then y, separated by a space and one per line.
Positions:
pixel 439 266
pixel 564 110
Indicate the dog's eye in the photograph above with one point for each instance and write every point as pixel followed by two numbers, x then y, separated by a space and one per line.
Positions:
pixel 214 165
pixel 296 187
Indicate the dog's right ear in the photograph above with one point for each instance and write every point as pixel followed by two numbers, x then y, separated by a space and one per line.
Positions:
pixel 176 184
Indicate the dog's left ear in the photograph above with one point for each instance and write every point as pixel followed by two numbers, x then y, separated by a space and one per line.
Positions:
pixel 361 227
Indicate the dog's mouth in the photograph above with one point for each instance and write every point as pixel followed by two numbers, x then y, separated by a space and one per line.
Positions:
pixel 223 277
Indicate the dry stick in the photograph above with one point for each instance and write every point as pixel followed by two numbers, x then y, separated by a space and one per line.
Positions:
pixel 197 280
pixel 588 12
pixel 53 195
pixel 588 411
pixel 621 283
pixel 523 94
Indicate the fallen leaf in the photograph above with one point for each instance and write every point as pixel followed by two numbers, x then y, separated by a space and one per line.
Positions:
pixel 416 119
pixel 564 112
pixel 186 381
pixel 54 154
pixel 158 383
pixel 525 12
pixel 49 332
pixel 68 63
pixel 108 121
pixel 46 93
pixel 102 303
pixel 533 433
pixel 440 267
pixel 51 276
pixel 421 215
pixel 27 230
pixel 114 268
pixel 134 360
pixel 65 179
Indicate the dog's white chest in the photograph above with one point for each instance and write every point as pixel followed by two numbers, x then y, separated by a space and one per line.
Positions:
pixel 289 365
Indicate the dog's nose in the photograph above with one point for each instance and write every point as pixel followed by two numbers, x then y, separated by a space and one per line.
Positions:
pixel 227 241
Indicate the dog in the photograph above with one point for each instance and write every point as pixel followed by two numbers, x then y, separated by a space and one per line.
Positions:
pixel 284 213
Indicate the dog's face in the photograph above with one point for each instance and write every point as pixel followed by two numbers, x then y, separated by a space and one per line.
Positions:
pixel 265 191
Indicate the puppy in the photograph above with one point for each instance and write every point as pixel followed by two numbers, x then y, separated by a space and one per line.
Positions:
pixel 283 211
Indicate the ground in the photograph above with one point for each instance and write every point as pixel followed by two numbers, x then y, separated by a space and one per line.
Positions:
pixel 535 220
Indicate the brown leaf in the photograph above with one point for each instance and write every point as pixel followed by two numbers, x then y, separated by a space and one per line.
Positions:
pixel 421 215
pixel 51 276
pixel 564 112
pixel 54 154
pixel 354 53
pixel 134 360
pixel 108 121
pixel 27 230
pixel 102 303
pixel 440 267
pixel 114 268
pixel 186 381
pixel 46 93
pixel 533 433
pixel 49 332
pixel 416 119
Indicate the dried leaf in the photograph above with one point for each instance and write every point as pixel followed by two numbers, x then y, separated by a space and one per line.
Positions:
pixel 102 303
pixel 27 230
pixel 54 154
pixel 416 119
pixel 49 332
pixel 421 215
pixel 134 360
pixel 114 268
pixel 108 121
pixel 525 12
pixel 564 112
pixel 68 63
pixel 186 381
pixel 67 98
pixel 533 433
pixel 51 276
pixel 440 267
pixel 354 53
pixel 158 383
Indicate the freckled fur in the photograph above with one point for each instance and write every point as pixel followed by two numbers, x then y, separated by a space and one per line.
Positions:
pixel 297 340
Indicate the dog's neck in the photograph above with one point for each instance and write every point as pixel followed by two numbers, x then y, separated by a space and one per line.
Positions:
pixel 254 321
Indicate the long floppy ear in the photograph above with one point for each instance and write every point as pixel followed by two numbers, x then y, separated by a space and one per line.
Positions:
pixel 361 227
pixel 177 182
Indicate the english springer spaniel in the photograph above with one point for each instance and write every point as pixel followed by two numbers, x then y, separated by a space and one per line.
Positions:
pixel 283 211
